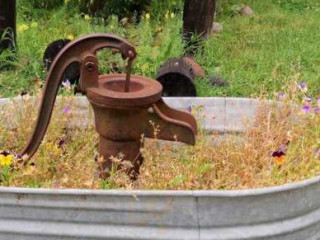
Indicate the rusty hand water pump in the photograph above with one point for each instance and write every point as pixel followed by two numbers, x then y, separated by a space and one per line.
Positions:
pixel 123 104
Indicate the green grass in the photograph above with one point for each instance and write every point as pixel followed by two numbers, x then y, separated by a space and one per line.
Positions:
pixel 254 54
pixel 265 51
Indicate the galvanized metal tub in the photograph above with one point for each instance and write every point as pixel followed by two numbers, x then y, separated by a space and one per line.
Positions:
pixel 286 212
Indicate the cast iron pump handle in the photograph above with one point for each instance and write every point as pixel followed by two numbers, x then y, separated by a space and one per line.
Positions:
pixel 82 51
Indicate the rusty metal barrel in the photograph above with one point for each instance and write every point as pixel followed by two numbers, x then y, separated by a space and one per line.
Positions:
pixel 177 78
pixel 72 73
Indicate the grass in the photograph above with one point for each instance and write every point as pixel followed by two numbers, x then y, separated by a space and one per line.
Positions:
pixel 261 52
pixel 253 54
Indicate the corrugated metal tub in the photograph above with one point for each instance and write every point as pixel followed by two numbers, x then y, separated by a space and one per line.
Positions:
pixel 286 212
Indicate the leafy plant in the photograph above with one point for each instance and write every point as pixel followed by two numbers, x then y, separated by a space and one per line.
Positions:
pixel 46 4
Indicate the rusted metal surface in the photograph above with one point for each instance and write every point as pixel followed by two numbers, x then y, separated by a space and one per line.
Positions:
pixel 196 68
pixel 123 104
pixel 177 76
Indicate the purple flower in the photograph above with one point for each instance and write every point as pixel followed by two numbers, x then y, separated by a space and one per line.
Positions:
pixel 306 108
pixel 308 99
pixel 5 153
pixel 281 96
pixel 316 109
pixel 61 143
pixel 66 83
pixel 303 86
pixel 66 110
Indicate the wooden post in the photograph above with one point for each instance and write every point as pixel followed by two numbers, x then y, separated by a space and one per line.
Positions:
pixel 7 23
pixel 198 18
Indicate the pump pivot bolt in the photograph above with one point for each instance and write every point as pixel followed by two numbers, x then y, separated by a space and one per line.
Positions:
pixel 90 66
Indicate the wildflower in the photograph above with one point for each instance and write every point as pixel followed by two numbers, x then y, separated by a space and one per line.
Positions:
pixel 34 25
pixel 61 143
pixel 52 148
pixel 5 158
pixel 18 156
pixel 66 84
pixel 22 27
pixel 87 17
pixel 172 15
pixel 70 37
pixel 316 109
pixel 308 99
pixel 281 96
pixel 279 157
pixel 66 110
pixel 303 86
pixel 306 109
pixel 148 16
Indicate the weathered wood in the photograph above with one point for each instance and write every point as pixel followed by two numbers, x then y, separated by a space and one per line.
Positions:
pixel 7 23
pixel 198 18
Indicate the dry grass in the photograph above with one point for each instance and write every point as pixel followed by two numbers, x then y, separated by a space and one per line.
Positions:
pixel 235 162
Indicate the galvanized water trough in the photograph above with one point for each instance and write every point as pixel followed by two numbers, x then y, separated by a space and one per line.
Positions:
pixel 286 212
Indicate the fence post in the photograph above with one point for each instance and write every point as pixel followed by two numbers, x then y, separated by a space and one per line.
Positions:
pixel 7 24
pixel 198 16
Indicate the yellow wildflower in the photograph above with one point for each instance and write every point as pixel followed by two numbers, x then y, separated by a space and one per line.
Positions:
pixel 52 148
pixel 167 15
pixel 87 17
pixel 6 160
pixel 70 37
pixel 22 27
pixel 148 16
pixel 34 25
pixel 172 15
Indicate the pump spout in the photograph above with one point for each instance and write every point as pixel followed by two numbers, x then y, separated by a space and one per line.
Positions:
pixel 171 124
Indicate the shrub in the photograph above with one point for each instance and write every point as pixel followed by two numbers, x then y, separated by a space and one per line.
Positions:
pixel 46 4
pixel 124 8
